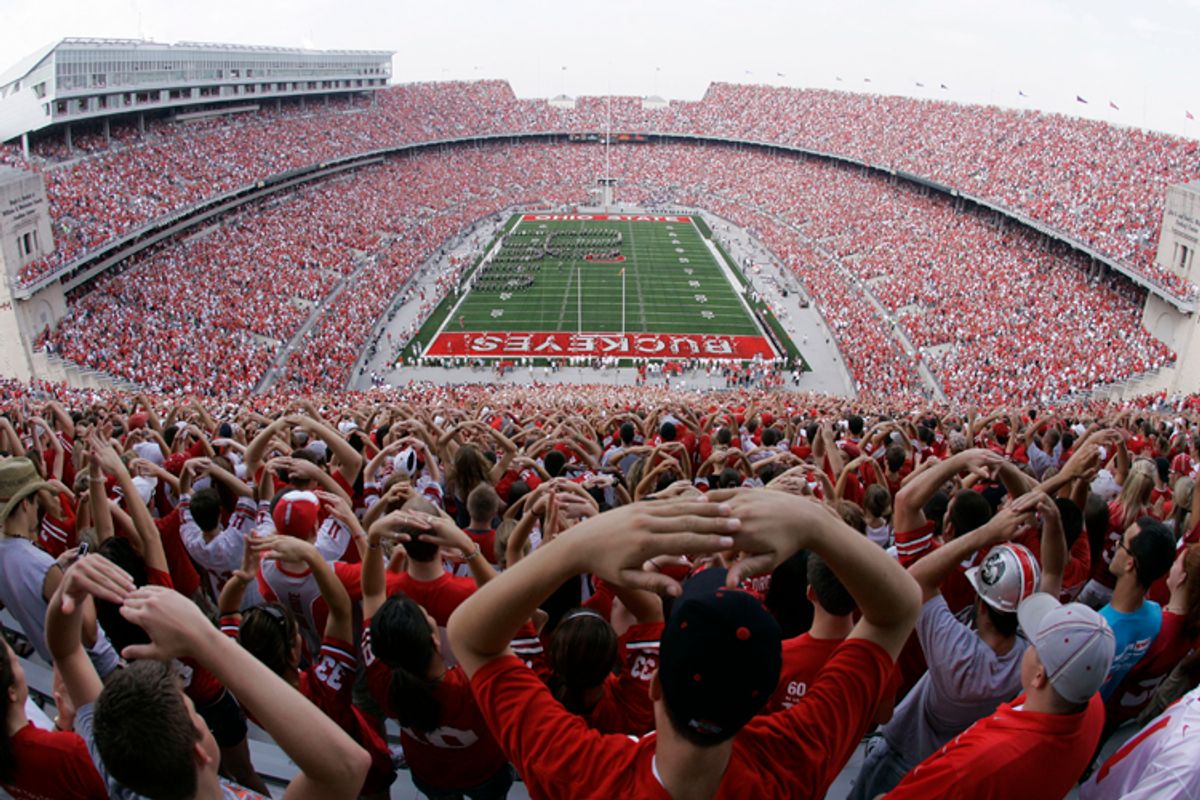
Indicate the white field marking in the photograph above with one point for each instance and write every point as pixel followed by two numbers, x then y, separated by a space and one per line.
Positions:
pixel 735 285
pixel 466 294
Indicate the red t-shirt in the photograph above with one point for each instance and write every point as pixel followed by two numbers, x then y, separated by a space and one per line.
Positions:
pixel 460 752
pixel 1079 559
pixel 486 539
pixel 57 533
pixel 1012 753
pixel 439 596
pixel 625 706
pixel 183 571
pixel 52 765
pixel 803 658
pixel 797 753
pixel 912 546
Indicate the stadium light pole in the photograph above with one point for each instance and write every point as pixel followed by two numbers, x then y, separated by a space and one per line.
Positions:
pixel 622 301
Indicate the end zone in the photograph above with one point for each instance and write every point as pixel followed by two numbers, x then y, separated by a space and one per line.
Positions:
pixel 600 345
pixel 602 218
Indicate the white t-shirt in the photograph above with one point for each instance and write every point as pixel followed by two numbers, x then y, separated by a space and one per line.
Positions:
pixel 1162 761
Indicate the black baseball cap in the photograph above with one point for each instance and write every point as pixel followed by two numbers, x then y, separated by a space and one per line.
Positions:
pixel 720 659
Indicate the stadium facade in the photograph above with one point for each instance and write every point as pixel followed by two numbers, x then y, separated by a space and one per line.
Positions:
pixel 77 80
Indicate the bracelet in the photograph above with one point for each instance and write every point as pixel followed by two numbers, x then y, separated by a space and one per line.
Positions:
pixel 95 480
pixel 478 552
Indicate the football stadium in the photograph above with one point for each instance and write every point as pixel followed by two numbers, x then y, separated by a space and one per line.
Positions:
pixel 387 413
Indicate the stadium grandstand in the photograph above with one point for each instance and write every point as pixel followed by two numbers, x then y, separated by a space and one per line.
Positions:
pixel 303 370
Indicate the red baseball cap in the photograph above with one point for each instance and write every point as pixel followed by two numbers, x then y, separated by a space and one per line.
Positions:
pixel 296 515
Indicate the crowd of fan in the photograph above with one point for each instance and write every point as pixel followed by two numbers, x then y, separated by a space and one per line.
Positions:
pixel 318 562
pixel 210 315
pixel 1101 184
pixel 1045 330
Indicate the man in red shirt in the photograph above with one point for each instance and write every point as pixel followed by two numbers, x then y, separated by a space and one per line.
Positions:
pixel 805 655
pixel 1037 746
pixel 720 654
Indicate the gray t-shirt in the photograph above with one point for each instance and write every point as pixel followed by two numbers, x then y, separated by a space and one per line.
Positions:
pixel 23 568
pixel 966 681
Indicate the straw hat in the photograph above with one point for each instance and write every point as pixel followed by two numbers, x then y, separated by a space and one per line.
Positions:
pixel 18 480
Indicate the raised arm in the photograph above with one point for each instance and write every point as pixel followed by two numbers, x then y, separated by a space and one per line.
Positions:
pixel 1054 547
pixel 340 622
pixel 258 447
pixel 910 500
pixel 776 525
pixel 613 545
pixel 934 568
pixel 92 575
pixel 332 766
pixel 143 524
pixel 350 461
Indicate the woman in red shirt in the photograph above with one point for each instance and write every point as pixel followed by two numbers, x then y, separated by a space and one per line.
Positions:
pixel 446 740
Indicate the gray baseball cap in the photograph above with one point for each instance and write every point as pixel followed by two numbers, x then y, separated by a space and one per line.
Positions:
pixel 1073 642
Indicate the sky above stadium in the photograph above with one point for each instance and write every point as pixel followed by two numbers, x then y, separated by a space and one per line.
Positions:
pixel 1134 63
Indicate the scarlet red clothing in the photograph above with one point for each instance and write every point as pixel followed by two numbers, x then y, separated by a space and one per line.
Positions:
pixel 803 658
pixel 1012 753
pixel 460 752
pixel 625 706
pixel 439 596
pixel 198 683
pixel 329 684
pixel 183 571
pixel 52 765
pixel 912 546
pixel 486 540
pixel 794 754
pixel 1116 530
pixel 57 532
pixel 1079 559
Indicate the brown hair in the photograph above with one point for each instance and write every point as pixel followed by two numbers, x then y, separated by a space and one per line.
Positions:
pixel 145 733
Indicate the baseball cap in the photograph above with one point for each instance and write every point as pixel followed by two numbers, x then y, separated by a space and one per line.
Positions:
pixel 1073 642
pixel 296 514
pixel 150 452
pixel 721 656
pixel 18 479
pixel 405 461
pixel 1009 573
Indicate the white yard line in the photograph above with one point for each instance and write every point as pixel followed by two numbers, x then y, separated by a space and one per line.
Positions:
pixel 461 300
pixel 739 289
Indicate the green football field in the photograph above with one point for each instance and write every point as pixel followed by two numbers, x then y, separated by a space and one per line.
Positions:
pixel 672 285
pixel 599 275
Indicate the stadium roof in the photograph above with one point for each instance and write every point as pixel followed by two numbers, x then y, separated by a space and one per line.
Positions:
pixel 27 64
pixel 30 62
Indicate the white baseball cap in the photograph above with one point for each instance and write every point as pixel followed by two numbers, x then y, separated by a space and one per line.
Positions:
pixel 1073 642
